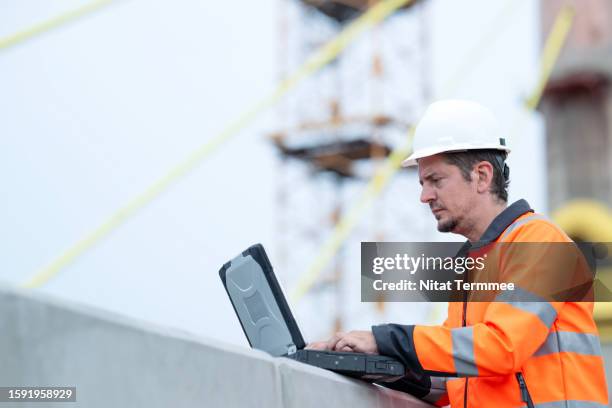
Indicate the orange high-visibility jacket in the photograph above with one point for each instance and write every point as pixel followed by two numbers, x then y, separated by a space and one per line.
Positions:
pixel 504 353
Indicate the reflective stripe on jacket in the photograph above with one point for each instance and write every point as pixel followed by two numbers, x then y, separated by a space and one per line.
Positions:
pixel 505 353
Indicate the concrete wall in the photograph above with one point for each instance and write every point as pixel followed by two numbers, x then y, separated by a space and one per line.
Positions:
pixel 118 362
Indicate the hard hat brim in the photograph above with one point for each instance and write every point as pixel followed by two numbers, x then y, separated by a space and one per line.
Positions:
pixel 411 160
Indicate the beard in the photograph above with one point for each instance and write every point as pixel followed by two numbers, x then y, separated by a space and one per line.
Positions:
pixel 447 225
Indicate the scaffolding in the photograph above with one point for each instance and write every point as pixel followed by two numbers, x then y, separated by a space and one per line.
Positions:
pixel 335 130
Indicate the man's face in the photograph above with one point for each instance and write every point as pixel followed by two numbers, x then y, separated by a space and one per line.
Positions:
pixel 449 195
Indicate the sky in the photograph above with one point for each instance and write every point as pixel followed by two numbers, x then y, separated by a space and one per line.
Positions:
pixel 99 109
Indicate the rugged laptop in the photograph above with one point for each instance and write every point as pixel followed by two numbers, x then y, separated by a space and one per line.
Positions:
pixel 269 325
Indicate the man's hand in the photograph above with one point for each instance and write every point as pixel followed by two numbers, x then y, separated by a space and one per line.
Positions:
pixel 326 345
pixel 357 341
pixel 318 345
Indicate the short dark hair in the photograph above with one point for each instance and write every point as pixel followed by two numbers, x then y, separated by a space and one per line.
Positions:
pixel 465 161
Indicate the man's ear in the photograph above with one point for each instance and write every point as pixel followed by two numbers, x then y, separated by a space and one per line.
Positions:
pixel 484 176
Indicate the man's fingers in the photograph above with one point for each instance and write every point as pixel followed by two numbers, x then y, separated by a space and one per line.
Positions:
pixel 331 344
pixel 355 341
pixel 317 345
pixel 347 342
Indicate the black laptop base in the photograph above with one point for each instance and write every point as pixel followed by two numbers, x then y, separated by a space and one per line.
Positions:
pixel 358 365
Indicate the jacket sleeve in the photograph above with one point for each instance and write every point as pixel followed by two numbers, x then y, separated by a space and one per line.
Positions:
pixel 498 346
pixel 392 340
pixel 512 329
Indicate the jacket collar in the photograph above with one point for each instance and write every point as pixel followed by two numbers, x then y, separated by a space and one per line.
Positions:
pixel 503 220
pixel 499 224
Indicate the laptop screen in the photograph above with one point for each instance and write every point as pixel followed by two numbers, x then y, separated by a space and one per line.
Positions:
pixel 260 304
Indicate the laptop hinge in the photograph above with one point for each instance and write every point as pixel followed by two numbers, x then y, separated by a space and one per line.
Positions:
pixel 291 349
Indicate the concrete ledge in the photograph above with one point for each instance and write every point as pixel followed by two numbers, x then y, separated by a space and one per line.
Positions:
pixel 116 361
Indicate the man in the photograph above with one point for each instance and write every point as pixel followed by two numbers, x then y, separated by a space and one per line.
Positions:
pixel 506 353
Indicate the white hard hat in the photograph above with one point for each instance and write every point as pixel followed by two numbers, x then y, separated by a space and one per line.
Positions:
pixel 455 125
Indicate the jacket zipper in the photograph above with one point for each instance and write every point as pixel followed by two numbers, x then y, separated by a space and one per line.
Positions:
pixel 464 323
pixel 524 391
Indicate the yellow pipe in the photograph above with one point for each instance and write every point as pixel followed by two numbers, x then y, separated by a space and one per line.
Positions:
pixel 591 221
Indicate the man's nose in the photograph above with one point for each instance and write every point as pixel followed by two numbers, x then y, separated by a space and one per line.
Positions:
pixel 427 195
